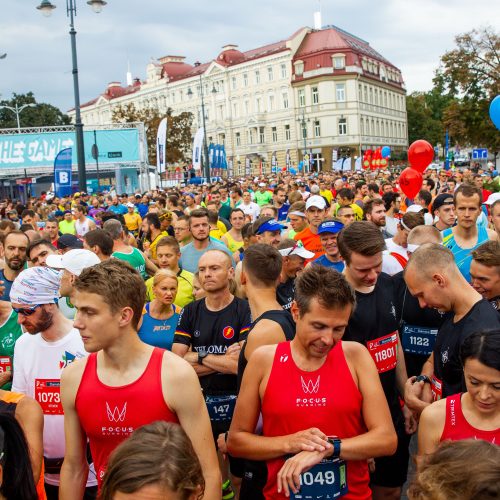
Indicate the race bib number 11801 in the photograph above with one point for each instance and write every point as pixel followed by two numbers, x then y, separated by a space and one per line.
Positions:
pixel 384 351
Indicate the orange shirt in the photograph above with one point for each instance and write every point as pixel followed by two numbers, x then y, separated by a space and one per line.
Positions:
pixel 310 241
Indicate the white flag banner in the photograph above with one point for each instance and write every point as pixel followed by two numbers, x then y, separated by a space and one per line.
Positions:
pixel 357 164
pixel 347 166
pixel 161 146
pixel 197 148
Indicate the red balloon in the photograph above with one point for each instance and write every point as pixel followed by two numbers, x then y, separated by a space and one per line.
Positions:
pixel 420 155
pixel 410 182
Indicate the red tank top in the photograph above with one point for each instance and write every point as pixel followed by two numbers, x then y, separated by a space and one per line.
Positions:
pixel 326 398
pixel 108 415
pixel 456 426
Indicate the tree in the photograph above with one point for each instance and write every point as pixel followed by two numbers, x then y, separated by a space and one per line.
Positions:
pixel 422 124
pixel 41 115
pixel 179 138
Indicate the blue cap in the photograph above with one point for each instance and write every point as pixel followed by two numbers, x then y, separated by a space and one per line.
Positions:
pixel 330 226
pixel 270 225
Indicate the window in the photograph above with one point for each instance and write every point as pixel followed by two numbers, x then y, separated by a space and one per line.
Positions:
pixel 257 77
pixel 342 126
pixel 262 135
pixel 233 83
pixel 340 92
pixel 274 131
pixel 304 129
pixel 235 110
pixel 339 62
pixel 360 93
pixel 288 134
pixel 317 129
pixel 302 98
pixel 285 100
pixel 247 107
pixel 250 136
pixel 258 104
pixel 366 94
pixel 385 98
pixel 315 95
pixel 284 72
pixel 245 79
pixel 220 112
pixel 270 74
pixel 362 126
pixel 238 139
pixel 270 103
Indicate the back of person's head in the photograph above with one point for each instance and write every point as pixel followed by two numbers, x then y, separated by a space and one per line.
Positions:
pixel 425 196
pixel 17 475
pixel 262 265
pixel 114 228
pixel 424 234
pixel 360 237
pixel 213 217
pixel 118 283
pixel 346 193
pixel 411 220
pixel 484 347
pixel 153 220
pixel 99 238
pixel 373 187
pixel 298 206
pixel 459 470
pixel 328 286
pixel 158 454
pixel 432 257
pixel 389 198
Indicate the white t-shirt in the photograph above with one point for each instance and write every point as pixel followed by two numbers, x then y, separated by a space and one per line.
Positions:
pixel 37 373
pixel 393 247
pixel 390 265
pixel 252 209
pixel 391 225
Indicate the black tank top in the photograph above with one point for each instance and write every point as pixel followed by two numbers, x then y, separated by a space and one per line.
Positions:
pixel 283 318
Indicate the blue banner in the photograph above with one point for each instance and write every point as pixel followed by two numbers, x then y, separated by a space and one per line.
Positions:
pixel 223 159
pixel 211 155
pixel 62 173
pixel 40 150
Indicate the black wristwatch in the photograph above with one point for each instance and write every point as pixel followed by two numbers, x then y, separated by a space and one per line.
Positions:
pixel 336 443
pixel 201 356
pixel 423 378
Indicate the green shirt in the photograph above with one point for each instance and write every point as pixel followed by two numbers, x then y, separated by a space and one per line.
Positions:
pixel 263 198
pixel 67 227
pixel 135 259
pixel 10 331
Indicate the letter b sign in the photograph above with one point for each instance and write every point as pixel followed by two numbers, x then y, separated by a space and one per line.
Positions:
pixel 63 177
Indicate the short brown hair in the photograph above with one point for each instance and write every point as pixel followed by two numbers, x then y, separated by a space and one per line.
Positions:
pixel 158 453
pixel 413 219
pixel 100 238
pixel 371 204
pixel 328 286
pixel 459 470
pixel 169 241
pixel 467 191
pixel 361 237
pixel 118 282
pixel 488 254
pixel 262 263
pixel 198 214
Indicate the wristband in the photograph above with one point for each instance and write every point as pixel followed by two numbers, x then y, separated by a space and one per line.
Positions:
pixel 423 378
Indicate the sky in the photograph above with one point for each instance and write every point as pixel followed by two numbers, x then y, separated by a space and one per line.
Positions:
pixel 411 34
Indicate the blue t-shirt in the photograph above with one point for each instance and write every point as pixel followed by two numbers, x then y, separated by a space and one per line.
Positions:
pixel 7 284
pixel 142 209
pixel 118 209
pixel 158 332
pixel 323 261
pixel 190 256
pixel 283 211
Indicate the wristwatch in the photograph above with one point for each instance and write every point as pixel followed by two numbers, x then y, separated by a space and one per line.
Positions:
pixel 201 356
pixel 423 378
pixel 336 443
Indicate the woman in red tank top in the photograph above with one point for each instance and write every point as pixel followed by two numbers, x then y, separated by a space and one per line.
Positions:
pixel 475 413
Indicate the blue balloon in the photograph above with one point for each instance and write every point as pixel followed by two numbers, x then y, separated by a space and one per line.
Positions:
pixel 293 171
pixel 386 152
pixel 300 166
pixel 495 111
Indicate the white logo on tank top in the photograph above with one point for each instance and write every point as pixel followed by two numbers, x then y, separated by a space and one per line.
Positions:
pixel 116 415
pixel 310 387
pixel 283 358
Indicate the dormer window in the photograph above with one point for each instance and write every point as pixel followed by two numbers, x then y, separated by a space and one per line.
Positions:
pixel 299 68
pixel 338 61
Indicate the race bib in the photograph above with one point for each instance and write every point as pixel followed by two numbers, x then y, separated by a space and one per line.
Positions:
pixel 383 351
pixel 48 394
pixel 328 479
pixel 5 364
pixel 437 388
pixel 221 408
pixel 418 339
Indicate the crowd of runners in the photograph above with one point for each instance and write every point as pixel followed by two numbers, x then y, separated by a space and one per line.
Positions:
pixel 306 337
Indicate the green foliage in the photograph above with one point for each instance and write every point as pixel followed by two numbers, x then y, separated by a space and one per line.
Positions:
pixel 41 115
pixel 179 138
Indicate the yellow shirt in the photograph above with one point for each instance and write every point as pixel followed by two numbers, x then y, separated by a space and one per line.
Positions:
pixel 328 195
pixel 222 227
pixel 132 221
pixel 152 246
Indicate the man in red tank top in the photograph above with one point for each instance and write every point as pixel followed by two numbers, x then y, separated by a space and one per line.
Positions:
pixel 124 383
pixel 317 436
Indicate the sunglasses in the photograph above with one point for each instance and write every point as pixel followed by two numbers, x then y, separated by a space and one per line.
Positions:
pixel 26 311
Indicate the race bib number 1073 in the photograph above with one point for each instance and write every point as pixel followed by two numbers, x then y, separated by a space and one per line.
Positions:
pixel 48 395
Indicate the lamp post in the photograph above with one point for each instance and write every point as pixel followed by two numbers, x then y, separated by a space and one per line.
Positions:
pixel 303 122
pixel 206 163
pixel 17 110
pixel 46 8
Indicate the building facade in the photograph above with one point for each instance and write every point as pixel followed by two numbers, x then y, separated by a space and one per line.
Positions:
pixel 326 93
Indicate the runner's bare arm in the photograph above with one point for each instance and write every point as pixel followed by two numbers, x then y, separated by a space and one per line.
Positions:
pixel 242 442
pixel 75 469
pixel 191 357
pixel 430 428
pixel 224 363
pixel 30 417
pixel 492 235
pixel 151 268
pixel 182 393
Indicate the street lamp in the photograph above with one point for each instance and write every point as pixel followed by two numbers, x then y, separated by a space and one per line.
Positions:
pixel 46 8
pixel 17 110
pixel 206 163
pixel 303 122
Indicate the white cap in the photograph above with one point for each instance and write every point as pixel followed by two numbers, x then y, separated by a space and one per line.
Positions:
pixel 492 198
pixel 262 184
pixel 297 250
pixel 130 205
pixel 414 208
pixel 316 201
pixel 74 261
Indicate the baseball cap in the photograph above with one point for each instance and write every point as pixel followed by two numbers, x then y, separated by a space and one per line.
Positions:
pixel 414 208
pixel 492 198
pixel 68 241
pixel 76 195
pixel 270 225
pixel 297 249
pixel 130 205
pixel 330 226
pixel 262 184
pixel 315 201
pixel 442 199
pixel 74 261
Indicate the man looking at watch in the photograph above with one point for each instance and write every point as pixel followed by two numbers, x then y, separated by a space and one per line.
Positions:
pixel 308 414
pixel 208 336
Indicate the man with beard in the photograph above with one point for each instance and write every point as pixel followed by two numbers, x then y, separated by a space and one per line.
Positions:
pixel 200 230
pixel 151 226
pixel 375 213
pixel 315 213
pixel 15 245
pixel 50 344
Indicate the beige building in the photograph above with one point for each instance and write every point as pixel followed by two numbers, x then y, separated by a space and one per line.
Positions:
pixel 323 91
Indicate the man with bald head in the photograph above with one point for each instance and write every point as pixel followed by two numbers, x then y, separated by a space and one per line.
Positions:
pixel 208 337
pixel 434 279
